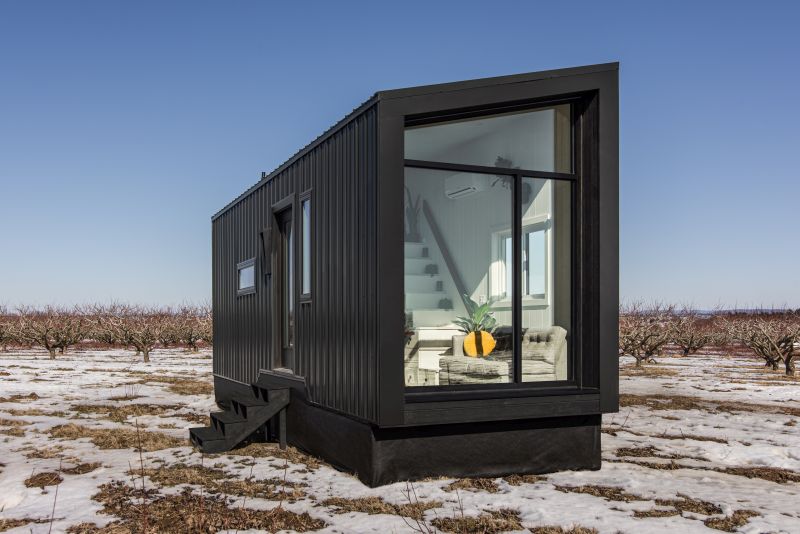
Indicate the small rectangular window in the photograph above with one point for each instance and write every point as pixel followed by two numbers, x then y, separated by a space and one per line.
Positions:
pixel 305 209
pixel 246 277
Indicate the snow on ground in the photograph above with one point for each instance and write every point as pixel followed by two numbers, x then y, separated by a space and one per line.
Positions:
pixel 700 442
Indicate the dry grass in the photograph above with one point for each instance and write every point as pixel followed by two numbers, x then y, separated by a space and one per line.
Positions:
pixel 148 512
pixel 273 450
pixel 20 398
pixel 197 418
pixel 682 402
pixel 642 514
pixel 647 371
pixel 489 522
pixel 120 414
pixel 42 452
pixel 8 524
pixel 179 384
pixel 43 479
pixel 35 412
pixel 473 484
pixel 773 474
pixel 81 469
pixel 732 522
pixel 518 480
pixel 684 503
pixel 13 422
pixel 376 505
pixel 118 438
pixel 218 481
pixel 651 452
pixel 560 530
pixel 610 493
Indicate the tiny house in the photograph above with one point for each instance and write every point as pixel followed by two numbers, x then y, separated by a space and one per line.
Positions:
pixel 431 286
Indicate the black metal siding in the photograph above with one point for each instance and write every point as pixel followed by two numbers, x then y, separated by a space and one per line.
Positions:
pixel 336 331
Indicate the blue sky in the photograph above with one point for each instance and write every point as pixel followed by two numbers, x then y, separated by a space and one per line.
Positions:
pixel 125 125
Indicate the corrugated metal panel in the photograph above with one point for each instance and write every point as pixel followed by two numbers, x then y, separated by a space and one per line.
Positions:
pixel 336 332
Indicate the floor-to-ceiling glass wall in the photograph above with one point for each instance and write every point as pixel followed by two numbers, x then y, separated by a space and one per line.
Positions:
pixel 488 238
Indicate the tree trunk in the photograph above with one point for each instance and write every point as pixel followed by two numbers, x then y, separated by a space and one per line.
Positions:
pixel 52 351
pixel 686 352
pixel 638 361
pixel 146 354
pixel 790 366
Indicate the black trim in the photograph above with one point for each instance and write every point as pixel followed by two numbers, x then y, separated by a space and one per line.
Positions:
pixel 480 169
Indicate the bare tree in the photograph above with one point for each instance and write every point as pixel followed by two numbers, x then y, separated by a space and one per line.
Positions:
pixel 137 326
pixel 691 332
pixel 771 335
pixel 171 331
pixel 644 330
pixel 52 328
pixel 206 325
pixel 9 328
pixel 189 322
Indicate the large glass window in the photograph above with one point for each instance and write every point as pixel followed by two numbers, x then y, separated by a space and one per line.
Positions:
pixel 537 140
pixel 466 243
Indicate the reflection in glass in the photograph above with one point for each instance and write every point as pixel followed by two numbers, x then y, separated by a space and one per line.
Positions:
pixel 545 255
pixel 247 277
pixel 538 140
pixel 305 206
pixel 457 332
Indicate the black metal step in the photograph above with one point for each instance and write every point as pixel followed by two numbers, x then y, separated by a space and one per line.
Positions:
pixel 225 420
pixel 241 405
pixel 208 439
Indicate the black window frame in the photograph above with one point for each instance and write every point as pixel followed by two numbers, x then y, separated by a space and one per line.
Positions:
pixel 575 349
pixel 249 290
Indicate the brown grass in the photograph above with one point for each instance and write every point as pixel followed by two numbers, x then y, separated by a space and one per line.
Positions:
pixel 34 412
pixel 81 469
pixel 651 452
pixel 647 370
pixel 8 523
pixel 489 522
pixel 684 503
pixel 473 484
pixel 773 474
pixel 272 450
pixel 682 402
pixel 118 438
pixel 120 414
pixel 518 480
pixel 610 493
pixel 151 513
pixel 642 514
pixel 43 479
pixel 198 418
pixel 179 384
pixel 376 505
pixel 42 452
pixel 20 398
pixel 13 422
pixel 561 530
pixel 218 481
pixel 732 522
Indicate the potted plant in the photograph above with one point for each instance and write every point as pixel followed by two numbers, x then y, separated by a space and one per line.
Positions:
pixel 478 325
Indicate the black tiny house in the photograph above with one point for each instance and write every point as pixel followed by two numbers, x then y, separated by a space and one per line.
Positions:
pixel 485 214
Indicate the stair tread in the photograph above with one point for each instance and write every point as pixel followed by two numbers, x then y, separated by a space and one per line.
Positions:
pixel 228 417
pixel 248 401
pixel 206 433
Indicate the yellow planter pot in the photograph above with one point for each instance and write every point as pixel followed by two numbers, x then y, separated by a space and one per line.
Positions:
pixel 479 344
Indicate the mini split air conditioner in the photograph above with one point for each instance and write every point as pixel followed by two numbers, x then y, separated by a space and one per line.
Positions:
pixel 464 184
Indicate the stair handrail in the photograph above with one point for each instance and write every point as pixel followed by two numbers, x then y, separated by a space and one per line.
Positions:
pixel 448 258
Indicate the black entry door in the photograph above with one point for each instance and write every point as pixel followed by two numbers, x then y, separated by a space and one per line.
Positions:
pixel 285 287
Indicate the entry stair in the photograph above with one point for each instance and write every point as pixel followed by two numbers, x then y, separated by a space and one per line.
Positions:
pixel 247 415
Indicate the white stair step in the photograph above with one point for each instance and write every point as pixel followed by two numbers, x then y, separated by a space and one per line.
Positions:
pixel 416 250
pixel 441 334
pixel 429 358
pixel 421 283
pixel 428 301
pixel 417 266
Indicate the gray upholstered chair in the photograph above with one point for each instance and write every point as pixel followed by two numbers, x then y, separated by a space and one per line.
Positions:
pixel 544 358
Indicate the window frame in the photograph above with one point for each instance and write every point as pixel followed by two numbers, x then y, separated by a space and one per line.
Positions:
pixel 305 196
pixel 575 350
pixel 538 223
pixel 249 290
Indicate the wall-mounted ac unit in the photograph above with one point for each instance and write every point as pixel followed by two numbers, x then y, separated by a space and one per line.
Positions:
pixel 463 184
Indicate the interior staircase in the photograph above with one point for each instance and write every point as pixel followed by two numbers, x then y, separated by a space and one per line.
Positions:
pixel 247 415
pixel 426 300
